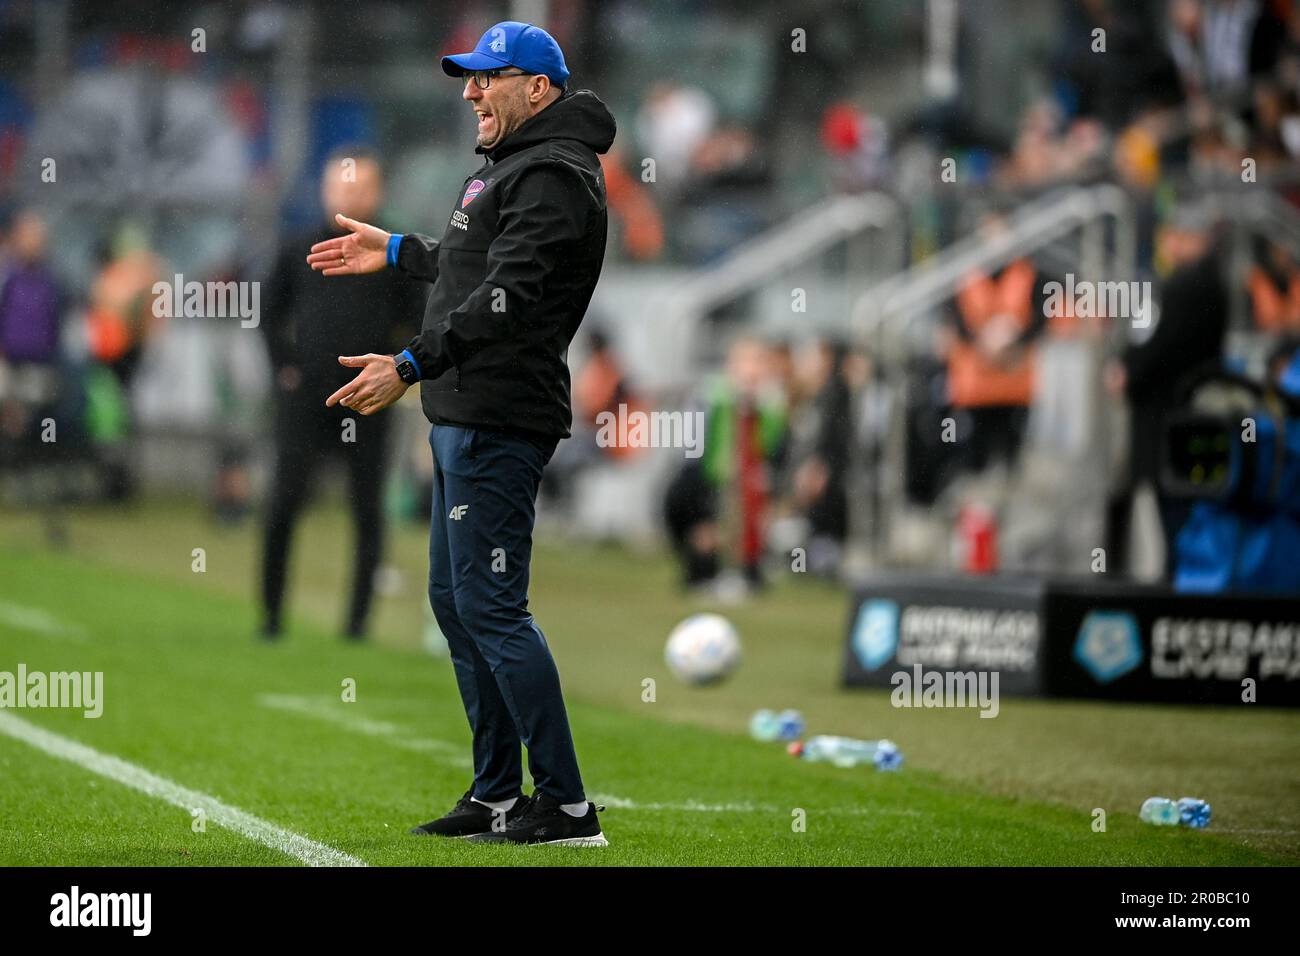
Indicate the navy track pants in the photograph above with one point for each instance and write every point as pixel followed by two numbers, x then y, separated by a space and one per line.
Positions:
pixel 480 546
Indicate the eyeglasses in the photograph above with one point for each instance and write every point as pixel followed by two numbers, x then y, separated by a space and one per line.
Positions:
pixel 483 78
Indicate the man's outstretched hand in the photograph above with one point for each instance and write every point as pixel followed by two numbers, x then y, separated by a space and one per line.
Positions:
pixel 377 387
pixel 364 249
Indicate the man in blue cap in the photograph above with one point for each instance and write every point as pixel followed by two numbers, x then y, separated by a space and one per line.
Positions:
pixel 512 276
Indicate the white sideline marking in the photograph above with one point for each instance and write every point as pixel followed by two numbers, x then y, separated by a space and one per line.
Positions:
pixel 324 709
pixel 137 778
pixel 38 621
pixel 622 803
pixel 444 751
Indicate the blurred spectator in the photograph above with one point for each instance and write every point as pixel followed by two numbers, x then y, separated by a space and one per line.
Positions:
pixel 31 301
pixel 599 386
pixel 1190 331
pixel 120 323
pixel 858 145
pixel 785 374
pixel 1136 156
pixel 1275 139
pixel 1210 42
pixel 309 322
pixel 1046 150
pixel 31 311
pixel 630 201
pixel 821 441
pixel 121 317
pixel 240 392
pixel 726 199
pixel 716 506
pixel 1276 37
pixel 710 177
pixel 991 358
pixel 1034 158
pixel 1133 74
pixel 31 305
pixel 1274 284
pixel 671 125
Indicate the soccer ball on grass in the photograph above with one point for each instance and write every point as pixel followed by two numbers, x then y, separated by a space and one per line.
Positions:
pixel 703 649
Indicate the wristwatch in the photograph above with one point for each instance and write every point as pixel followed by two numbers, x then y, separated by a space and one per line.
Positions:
pixel 406 369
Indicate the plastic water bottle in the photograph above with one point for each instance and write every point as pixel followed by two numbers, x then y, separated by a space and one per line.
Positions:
pixel 764 725
pixel 769 725
pixel 888 756
pixel 1160 811
pixel 847 752
pixel 1194 812
pixel 790 725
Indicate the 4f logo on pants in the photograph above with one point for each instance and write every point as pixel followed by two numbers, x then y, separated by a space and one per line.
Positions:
pixel 457 512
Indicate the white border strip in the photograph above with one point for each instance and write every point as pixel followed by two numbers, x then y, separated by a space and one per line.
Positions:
pixel 38 621
pixel 321 709
pixel 137 778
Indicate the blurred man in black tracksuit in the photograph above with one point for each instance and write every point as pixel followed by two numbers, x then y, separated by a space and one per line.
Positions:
pixel 1189 333
pixel 309 323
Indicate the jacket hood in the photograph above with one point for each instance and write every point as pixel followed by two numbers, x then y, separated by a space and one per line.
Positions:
pixel 578 115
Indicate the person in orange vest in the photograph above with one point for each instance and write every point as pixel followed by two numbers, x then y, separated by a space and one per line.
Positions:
pixel 1274 286
pixel 602 385
pixel 121 317
pixel 601 391
pixel 642 235
pixel 990 355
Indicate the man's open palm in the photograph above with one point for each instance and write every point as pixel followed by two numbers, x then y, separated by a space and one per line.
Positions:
pixel 364 249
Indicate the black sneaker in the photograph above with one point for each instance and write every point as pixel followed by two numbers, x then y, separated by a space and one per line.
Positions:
pixel 545 822
pixel 467 818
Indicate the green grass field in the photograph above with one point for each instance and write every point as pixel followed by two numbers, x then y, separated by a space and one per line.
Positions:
pixel 192 697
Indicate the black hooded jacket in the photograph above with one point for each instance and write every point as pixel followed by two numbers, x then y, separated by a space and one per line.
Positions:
pixel 513 274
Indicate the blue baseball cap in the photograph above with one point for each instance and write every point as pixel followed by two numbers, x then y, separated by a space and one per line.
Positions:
pixel 511 43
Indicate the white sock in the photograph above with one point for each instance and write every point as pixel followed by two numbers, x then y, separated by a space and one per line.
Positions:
pixel 498 804
pixel 575 809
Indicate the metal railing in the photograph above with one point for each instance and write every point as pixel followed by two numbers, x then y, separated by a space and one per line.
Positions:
pixel 929 284
pixel 1105 224
pixel 794 243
